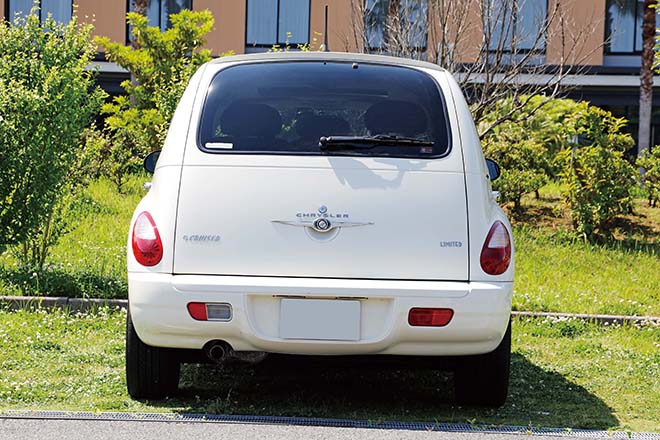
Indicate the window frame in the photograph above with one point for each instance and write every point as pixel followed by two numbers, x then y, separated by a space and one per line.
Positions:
pixel 277 29
pixel 520 51
pixel 441 94
pixel 637 35
pixel 8 18
pixel 421 49
pixel 160 8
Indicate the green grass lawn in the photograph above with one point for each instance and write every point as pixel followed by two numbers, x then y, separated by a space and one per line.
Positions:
pixel 554 272
pixel 89 261
pixel 565 374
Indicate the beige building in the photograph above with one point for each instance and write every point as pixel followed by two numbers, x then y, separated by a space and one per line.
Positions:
pixel 606 34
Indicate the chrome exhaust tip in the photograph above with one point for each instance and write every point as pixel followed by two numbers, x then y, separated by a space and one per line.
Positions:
pixel 217 351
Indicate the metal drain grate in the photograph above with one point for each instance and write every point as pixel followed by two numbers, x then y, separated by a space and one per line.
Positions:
pixel 324 422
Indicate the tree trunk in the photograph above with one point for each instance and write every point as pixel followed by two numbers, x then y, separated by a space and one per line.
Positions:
pixel 646 77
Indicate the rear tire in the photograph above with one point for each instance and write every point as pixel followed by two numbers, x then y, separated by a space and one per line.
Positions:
pixel 151 372
pixel 483 380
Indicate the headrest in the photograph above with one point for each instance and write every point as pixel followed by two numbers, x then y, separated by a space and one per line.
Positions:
pixel 400 117
pixel 243 119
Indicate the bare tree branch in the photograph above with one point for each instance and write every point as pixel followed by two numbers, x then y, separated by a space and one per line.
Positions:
pixel 510 60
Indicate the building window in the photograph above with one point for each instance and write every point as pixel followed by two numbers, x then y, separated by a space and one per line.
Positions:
pixel 159 11
pixel 272 22
pixel 59 9
pixel 624 26
pixel 516 25
pixel 413 22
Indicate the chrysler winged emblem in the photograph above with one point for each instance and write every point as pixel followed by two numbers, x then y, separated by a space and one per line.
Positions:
pixel 322 221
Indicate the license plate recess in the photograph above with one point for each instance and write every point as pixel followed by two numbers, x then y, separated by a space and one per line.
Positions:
pixel 320 319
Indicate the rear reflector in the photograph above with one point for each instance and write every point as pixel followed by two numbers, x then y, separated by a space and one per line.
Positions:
pixel 198 311
pixel 210 312
pixel 419 317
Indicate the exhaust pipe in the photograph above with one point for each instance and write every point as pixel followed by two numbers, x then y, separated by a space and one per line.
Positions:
pixel 218 351
pixel 221 352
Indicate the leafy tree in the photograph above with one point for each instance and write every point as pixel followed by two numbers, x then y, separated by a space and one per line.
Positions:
pixel 548 127
pixel 597 180
pixel 160 63
pixel 522 160
pixel 538 145
pixel 526 147
pixel 47 98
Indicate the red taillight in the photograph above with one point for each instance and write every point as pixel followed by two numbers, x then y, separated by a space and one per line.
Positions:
pixel 496 253
pixel 147 247
pixel 421 317
pixel 198 311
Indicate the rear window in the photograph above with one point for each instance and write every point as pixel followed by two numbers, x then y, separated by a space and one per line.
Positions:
pixel 286 107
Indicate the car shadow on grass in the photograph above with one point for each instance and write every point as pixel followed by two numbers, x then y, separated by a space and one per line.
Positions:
pixel 306 388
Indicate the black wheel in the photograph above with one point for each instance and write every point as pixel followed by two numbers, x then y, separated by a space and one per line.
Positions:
pixel 483 380
pixel 151 372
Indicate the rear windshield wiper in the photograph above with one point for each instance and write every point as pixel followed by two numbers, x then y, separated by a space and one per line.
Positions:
pixel 335 143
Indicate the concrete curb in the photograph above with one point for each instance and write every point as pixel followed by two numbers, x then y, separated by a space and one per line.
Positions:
pixel 598 319
pixel 72 304
pixel 86 304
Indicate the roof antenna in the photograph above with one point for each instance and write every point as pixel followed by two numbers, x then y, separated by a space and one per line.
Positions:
pixel 325 47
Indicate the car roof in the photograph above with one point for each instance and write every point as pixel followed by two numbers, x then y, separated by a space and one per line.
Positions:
pixel 326 56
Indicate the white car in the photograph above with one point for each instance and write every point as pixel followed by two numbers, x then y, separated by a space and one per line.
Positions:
pixel 320 204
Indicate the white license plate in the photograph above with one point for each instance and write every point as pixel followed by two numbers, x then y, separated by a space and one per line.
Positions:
pixel 320 319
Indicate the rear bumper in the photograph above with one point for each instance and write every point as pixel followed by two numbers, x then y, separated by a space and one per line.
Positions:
pixel 481 314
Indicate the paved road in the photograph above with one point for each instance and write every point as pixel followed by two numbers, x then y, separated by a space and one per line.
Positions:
pixel 25 429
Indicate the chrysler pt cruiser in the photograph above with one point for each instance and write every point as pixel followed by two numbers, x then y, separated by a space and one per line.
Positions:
pixel 320 204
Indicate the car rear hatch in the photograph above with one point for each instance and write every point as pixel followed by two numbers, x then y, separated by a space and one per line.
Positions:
pixel 258 197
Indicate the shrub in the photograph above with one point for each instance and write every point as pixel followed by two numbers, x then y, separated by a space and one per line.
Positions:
pixel 597 179
pixel 93 162
pixel 547 126
pixel 47 98
pixel 160 65
pixel 525 147
pixel 650 162
pixel 34 249
pixel 133 133
pixel 536 146
pixel 522 163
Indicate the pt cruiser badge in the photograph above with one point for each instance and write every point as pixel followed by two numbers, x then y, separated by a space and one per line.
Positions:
pixel 323 220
